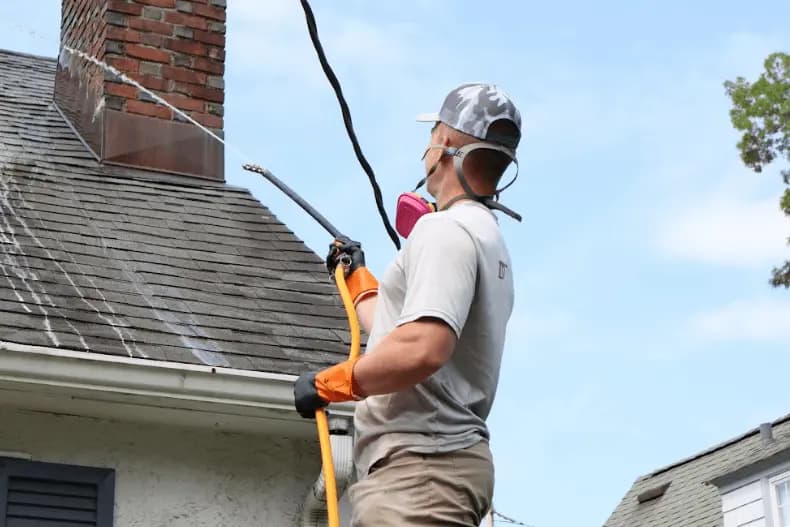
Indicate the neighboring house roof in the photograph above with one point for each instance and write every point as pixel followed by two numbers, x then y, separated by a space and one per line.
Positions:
pixel 692 499
pixel 123 261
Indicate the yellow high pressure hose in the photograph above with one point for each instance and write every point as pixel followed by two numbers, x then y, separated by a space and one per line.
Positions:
pixel 320 414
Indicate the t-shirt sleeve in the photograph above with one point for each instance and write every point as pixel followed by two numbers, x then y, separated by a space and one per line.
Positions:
pixel 440 265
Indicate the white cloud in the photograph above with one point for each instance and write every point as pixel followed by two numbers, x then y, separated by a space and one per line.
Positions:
pixel 727 230
pixel 755 319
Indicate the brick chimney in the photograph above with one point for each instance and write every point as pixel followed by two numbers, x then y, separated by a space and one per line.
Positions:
pixel 175 48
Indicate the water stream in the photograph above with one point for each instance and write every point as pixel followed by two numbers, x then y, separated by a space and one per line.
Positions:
pixel 159 99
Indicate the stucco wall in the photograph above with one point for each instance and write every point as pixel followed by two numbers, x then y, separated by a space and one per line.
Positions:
pixel 175 477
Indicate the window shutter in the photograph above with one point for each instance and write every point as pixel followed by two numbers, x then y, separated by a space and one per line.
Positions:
pixel 34 494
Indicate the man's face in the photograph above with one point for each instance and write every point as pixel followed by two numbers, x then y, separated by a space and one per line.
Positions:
pixel 431 158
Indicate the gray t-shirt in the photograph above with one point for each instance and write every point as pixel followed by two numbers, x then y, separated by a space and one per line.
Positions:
pixel 454 267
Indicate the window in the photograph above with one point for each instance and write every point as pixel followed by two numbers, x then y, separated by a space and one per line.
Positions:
pixel 34 494
pixel 780 499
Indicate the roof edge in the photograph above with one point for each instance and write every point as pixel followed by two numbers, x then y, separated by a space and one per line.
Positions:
pixel 715 448
pixel 28 55
pixel 173 385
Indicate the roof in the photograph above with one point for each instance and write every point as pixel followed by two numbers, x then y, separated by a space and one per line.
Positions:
pixel 112 260
pixel 691 498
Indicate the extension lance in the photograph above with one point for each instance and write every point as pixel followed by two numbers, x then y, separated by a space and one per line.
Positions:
pixel 353 322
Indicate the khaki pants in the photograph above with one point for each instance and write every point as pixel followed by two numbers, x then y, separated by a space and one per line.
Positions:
pixel 418 490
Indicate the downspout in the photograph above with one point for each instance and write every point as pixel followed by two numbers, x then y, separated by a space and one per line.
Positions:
pixel 314 512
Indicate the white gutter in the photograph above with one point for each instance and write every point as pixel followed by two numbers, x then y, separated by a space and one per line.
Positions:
pixel 31 368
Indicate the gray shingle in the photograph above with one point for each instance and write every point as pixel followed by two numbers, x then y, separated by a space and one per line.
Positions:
pixel 136 263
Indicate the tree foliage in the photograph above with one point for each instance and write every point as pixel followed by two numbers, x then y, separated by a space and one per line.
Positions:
pixel 761 110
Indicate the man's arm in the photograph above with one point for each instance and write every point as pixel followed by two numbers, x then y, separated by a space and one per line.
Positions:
pixel 440 267
pixel 366 309
pixel 407 356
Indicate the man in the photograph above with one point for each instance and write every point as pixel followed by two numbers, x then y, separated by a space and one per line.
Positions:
pixel 436 326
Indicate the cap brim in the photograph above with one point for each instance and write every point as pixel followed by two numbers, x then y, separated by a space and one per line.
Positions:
pixel 428 118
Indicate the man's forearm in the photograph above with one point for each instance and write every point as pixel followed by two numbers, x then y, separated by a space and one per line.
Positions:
pixel 366 309
pixel 407 356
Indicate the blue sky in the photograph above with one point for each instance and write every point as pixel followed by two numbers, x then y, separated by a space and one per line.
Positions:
pixel 644 328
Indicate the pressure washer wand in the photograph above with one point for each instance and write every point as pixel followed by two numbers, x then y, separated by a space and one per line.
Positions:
pixel 317 216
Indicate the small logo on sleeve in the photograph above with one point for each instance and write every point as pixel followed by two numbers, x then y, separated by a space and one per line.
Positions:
pixel 502 270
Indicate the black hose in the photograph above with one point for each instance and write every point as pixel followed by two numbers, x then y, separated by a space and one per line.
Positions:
pixel 330 75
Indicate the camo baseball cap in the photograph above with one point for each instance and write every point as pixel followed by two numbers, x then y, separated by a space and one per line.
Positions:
pixel 472 108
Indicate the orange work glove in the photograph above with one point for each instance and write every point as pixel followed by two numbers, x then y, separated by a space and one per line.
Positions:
pixel 332 385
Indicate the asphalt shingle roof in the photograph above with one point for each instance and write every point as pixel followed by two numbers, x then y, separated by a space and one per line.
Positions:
pixel 691 500
pixel 122 261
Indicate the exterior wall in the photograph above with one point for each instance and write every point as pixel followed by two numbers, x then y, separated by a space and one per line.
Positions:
pixel 175 477
pixel 744 506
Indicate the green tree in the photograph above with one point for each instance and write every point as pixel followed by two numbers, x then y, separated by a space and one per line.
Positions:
pixel 761 110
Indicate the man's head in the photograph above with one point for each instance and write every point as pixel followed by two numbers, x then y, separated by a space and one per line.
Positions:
pixel 473 113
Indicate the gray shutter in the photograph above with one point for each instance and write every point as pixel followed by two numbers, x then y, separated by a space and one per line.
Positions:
pixel 34 494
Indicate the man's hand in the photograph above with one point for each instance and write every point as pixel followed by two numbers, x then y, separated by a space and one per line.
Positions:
pixel 332 385
pixel 341 247
pixel 361 283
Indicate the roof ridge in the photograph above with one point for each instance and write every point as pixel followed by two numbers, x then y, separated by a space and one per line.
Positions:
pixel 28 55
pixel 715 448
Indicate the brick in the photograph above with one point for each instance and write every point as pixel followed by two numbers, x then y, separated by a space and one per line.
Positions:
pixel 123 34
pixel 151 68
pixel 215 82
pixel 153 83
pixel 114 103
pixel 118 89
pixel 201 92
pixel 184 6
pixel 149 54
pixel 159 3
pixel 153 13
pixel 216 39
pixel 216 13
pixel 183 61
pixel 144 96
pixel 149 109
pixel 113 46
pixel 215 109
pixel 153 40
pixel 217 53
pixel 208 65
pixel 182 102
pixel 184 75
pixel 125 64
pixel 116 19
pixel 121 6
pixel 209 94
pixel 187 46
pixel 184 32
pixel 151 26
pixel 209 121
pixel 181 19
pixel 217 27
